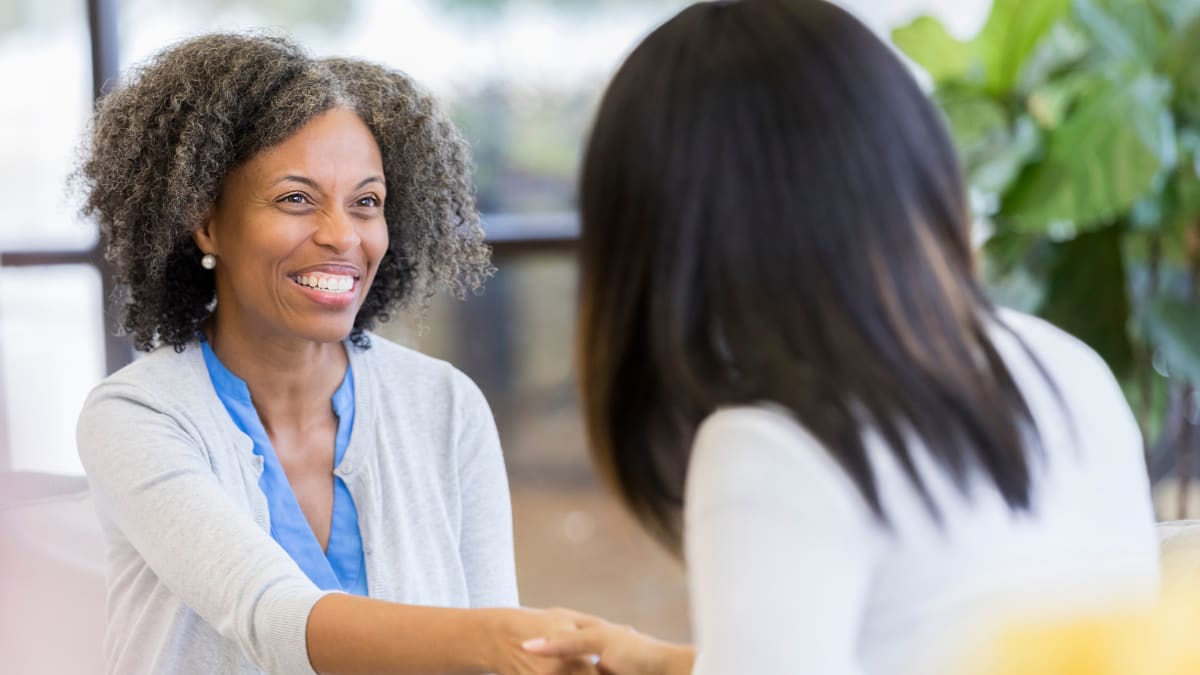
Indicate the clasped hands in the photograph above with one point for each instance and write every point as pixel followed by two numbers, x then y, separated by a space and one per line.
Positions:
pixel 565 642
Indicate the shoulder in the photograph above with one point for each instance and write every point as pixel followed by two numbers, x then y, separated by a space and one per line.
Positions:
pixel 158 399
pixel 163 375
pixel 1048 342
pixel 1081 375
pixel 764 437
pixel 404 373
pixel 766 428
pixel 385 355
pixel 384 352
pixel 761 452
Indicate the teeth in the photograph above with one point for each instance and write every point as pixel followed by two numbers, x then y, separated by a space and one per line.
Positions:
pixel 334 283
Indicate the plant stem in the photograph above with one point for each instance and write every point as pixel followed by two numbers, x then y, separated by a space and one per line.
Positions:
pixel 1185 451
pixel 1146 355
pixel 1186 440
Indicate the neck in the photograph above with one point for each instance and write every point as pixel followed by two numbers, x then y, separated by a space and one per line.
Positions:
pixel 291 379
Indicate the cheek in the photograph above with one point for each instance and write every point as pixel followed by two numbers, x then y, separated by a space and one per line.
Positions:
pixel 375 242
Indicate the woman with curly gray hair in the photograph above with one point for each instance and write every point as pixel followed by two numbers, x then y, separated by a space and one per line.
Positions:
pixel 280 489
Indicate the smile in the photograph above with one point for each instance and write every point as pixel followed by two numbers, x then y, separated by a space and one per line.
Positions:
pixel 330 283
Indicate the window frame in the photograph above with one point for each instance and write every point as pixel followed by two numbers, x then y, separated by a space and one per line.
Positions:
pixel 508 234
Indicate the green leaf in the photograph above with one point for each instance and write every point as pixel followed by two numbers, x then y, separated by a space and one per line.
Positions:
pixel 1086 295
pixel 1010 35
pixel 1049 103
pixel 1179 207
pixel 1003 161
pixel 926 42
pixel 1181 202
pixel 1101 160
pixel 1062 49
pixel 1014 268
pixel 1124 29
pixel 1181 61
pixel 976 120
pixel 992 149
pixel 1178 12
pixel 1174 329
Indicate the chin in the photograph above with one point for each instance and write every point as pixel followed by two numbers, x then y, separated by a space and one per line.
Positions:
pixel 328 332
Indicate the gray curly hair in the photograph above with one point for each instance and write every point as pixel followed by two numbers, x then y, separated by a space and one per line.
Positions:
pixel 159 147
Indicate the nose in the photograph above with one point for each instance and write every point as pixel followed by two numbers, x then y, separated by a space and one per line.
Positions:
pixel 337 232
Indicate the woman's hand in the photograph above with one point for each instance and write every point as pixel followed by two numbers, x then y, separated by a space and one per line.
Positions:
pixel 352 634
pixel 621 650
pixel 509 628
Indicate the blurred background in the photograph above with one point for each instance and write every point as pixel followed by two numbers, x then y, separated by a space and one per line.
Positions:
pixel 1071 118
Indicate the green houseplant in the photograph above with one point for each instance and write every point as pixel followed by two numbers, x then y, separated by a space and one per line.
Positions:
pixel 1078 125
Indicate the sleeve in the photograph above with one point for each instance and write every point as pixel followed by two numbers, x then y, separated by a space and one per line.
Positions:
pixel 780 549
pixel 486 536
pixel 153 482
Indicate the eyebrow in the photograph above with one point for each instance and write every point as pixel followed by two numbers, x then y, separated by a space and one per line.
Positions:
pixel 313 184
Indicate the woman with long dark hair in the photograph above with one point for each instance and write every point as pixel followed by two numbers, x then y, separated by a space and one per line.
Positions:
pixel 793 376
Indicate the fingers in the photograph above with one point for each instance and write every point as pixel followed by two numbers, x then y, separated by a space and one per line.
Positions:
pixel 579 618
pixel 582 642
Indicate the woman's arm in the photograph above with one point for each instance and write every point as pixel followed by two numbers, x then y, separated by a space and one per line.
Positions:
pixel 779 558
pixel 350 634
pixel 619 650
pixel 154 484
pixel 485 534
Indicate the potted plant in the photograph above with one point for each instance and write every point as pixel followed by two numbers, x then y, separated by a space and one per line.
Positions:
pixel 1078 125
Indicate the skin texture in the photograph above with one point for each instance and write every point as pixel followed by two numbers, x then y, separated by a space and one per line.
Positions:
pixel 350 634
pixel 621 650
pixel 316 200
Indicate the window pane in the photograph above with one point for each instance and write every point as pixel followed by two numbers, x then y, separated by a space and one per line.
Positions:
pixel 45 61
pixel 51 355
pixel 520 78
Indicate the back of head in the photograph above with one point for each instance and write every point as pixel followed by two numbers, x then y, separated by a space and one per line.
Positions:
pixel 773 211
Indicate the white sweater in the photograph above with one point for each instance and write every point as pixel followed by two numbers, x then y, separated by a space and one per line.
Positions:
pixel 790 572
pixel 197 585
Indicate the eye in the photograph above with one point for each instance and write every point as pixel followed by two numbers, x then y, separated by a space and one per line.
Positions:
pixel 368 201
pixel 294 198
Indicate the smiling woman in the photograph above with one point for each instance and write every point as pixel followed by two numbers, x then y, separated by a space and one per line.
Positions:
pixel 280 489
pixel 299 233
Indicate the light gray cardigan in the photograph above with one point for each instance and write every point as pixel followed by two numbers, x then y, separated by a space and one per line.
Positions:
pixel 197 585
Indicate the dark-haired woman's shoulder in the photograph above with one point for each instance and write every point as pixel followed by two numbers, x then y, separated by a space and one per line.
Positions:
pixel 1034 348
pixel 753 455
pixel 1042 336
pixel 1076 400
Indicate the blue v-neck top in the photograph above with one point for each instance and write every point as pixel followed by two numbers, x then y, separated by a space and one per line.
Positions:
pixel 341 566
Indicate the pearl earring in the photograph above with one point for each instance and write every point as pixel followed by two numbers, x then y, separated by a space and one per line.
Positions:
pixel 209 261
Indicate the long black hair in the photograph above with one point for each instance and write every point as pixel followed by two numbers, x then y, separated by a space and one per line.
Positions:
pixel 772 210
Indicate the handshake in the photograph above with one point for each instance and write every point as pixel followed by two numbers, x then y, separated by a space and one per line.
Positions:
pixel 565 642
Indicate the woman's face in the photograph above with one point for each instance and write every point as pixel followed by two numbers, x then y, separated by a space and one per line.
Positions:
pixel 298 233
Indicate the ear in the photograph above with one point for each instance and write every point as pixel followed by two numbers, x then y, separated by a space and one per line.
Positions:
pixel 203 234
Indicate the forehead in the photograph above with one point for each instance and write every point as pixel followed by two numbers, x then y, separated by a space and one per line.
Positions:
pixel 334 143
